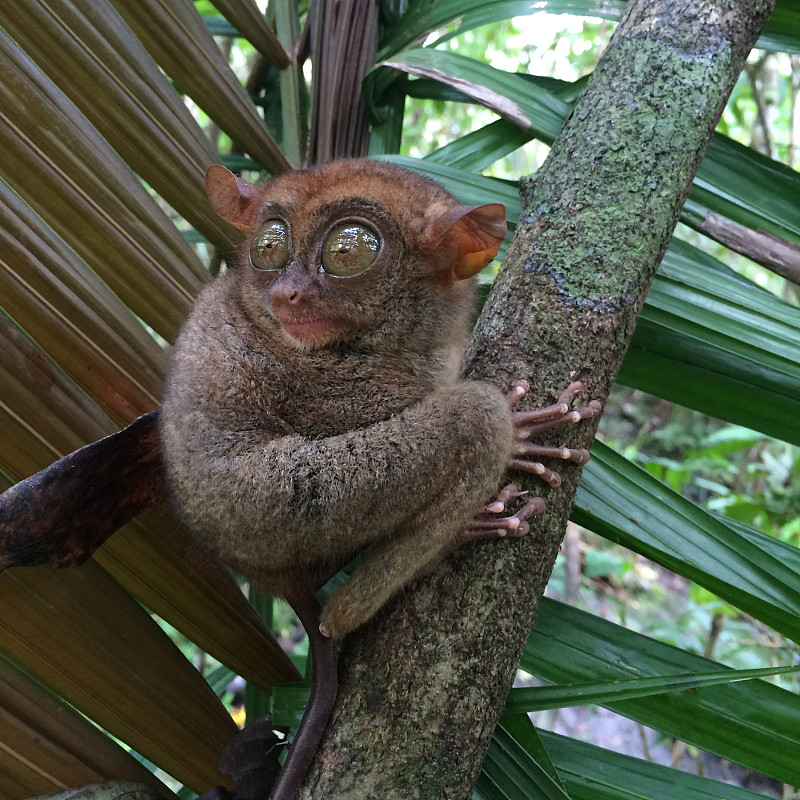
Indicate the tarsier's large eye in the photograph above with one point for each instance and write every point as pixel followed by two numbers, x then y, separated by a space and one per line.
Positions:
pixel 271 247
pixel 349 249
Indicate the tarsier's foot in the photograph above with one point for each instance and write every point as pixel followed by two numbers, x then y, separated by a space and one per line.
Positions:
pixel 484 526
pixel 526 454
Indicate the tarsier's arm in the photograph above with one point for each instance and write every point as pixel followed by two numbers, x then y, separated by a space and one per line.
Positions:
pixel 292 496
pixel 313 487
pixel 408 484
pixel 435 530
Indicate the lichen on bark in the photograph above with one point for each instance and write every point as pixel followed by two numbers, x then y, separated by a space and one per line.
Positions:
pixel 598 229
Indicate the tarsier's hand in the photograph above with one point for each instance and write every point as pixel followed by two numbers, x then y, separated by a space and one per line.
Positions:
pixel 527 424
pixel 525 456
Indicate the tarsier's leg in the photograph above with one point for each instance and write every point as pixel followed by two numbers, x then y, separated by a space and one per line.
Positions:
pixel 524 457
pixel 392 564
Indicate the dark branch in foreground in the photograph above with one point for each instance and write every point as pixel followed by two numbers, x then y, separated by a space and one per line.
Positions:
pixel 61 515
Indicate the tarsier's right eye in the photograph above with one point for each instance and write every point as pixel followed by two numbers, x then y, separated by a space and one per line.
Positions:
pixel 271 247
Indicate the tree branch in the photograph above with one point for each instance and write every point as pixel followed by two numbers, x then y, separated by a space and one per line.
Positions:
pixel 782 257
pixel 421 690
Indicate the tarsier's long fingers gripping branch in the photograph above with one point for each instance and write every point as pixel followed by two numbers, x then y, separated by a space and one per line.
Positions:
pixel 524 457
pixel 528 424
pixel 484 526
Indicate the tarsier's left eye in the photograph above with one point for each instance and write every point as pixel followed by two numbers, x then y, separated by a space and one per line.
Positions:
pixel 271 247
pixel 349 249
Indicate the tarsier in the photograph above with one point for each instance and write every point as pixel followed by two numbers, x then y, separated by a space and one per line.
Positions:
pixel 315 407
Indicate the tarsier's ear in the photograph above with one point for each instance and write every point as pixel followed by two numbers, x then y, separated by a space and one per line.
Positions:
pixel 230 197
pixel 469 237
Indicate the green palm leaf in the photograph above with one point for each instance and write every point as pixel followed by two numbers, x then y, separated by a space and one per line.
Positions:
pixel 541 698
pixel 753 723
pixel 591 772
pixel 627 505
pixel 518 767
pixel 422 17
pixel 733 181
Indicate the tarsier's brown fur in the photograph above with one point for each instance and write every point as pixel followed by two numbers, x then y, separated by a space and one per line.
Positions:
pixel 286 460
pixel 308 416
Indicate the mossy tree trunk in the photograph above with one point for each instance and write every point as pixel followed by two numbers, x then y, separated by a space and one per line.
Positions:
pixel 422 689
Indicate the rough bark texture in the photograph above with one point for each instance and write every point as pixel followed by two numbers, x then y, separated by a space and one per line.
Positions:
pixel 422 688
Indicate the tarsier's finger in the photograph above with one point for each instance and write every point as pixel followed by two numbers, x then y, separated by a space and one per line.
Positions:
pixel 528 449
pixel 533 508
pixel 521 388
pixel 540 415
pixel 558 409
pixel 490 524
pixel 571 392
pixel 507 493
pixel 552 479
pixel 476 529
pixel 527 427
pixel 473 535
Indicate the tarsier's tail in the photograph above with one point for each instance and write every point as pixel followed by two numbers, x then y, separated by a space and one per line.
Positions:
pixel 324 687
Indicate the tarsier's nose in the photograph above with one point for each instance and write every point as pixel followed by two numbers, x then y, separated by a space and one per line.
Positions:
pixel 286 291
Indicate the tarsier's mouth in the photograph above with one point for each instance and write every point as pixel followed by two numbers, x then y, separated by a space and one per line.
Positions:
pixel 308 326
